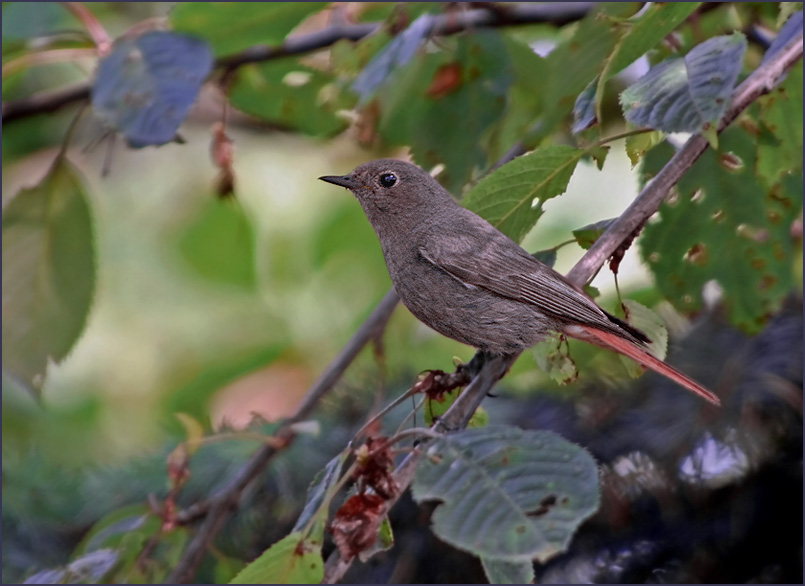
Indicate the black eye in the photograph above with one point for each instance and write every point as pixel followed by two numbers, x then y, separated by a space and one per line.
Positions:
pixel 388 179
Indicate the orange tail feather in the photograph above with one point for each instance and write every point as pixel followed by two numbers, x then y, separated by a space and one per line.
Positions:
pixel 642 356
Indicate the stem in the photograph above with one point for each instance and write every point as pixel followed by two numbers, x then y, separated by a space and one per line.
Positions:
pixel 95 29
pixel 46 58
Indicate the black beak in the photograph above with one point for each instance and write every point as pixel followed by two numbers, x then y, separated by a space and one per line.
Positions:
pixel 343 180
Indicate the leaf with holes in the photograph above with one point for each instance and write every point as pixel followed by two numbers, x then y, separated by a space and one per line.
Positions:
pixel 48 272
pixel 553 357
pixel 723 224
pixel 688 94
pixel 292 560
pixel 230 27
pixel 506 493
pixel 511 197
pixel 145 86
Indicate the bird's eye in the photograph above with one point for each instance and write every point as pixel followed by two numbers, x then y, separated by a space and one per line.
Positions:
pixel 388 179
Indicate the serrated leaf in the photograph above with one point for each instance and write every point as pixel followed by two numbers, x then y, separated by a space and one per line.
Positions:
pixel 552 356
pixel 292 560
pixel 735 231
pixel 651 324
pixel 507 493
pixel 145 86
pixel 687 94
pixel 637 145
pixel 511 197
pixel 48 272
pixel 295 96
pixel 230 27
pixel 507 572
pixel 319 488
pixel 396 54
pixel 587 235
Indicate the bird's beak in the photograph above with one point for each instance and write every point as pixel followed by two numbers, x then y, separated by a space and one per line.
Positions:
pixel 342 180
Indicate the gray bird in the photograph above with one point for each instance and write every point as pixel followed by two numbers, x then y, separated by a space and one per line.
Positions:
pixel 467 280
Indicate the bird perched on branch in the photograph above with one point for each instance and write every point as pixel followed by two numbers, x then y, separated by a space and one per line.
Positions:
pixel 467 280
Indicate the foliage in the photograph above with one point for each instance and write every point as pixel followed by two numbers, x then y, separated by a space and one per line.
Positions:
pixel 263 293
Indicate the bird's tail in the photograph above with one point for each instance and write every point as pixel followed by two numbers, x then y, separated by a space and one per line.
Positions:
pixel 641 355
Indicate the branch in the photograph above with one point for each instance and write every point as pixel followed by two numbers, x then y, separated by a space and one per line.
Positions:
pixel 446 24
pixel 220 506
pixel 646 203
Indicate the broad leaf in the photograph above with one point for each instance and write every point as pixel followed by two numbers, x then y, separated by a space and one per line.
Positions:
pixel 507 493
pixel 441 104
pixel 289 94
pixel 511 197
pixel 220 245
pixel 145 86
pixel 779 150
pixel 292 560
pixel 552 356
pixel 724 224
pixel 48 272
pixel 587 235
pixel 637 145
pixel 92 568
pixel 396 54
pixel 506 572
pixel 230 27
pixel 687 94
pixel 651 324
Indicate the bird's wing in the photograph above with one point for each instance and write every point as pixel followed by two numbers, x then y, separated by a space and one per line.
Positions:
pixel 497 264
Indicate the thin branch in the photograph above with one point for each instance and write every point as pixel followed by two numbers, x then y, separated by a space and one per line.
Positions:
pixel 46 57
pixel 647 202
pixel 220 506
pixel 446 24
pixel 95 29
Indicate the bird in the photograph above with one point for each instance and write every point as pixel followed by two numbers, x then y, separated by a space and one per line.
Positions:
pixel 464 278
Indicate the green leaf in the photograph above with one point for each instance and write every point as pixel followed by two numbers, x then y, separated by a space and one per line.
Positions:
pixel 649 30
pixel 587 235
pixel 575 63
pixel 687 94
pixel 779 150
pixel 507 493
pixel 230 27
pixel 552 356
pixel 289 94
pixel 651 324
pixel 584 109
pixel 637 145
pixel 220 245
pixel 735 231
pixel 48 272
pixel 441 104
pixel 511 197
pixel 292 560
pixel 384 541
pixel 506 572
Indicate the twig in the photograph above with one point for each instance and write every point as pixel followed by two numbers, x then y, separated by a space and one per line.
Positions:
pixel 647 202
pixel 556 13
pixel 95 29
pixel 218 508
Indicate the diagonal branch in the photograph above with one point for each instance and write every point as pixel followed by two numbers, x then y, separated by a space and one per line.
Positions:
pixel 646 203
pixel 223 503
pixel 444 24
